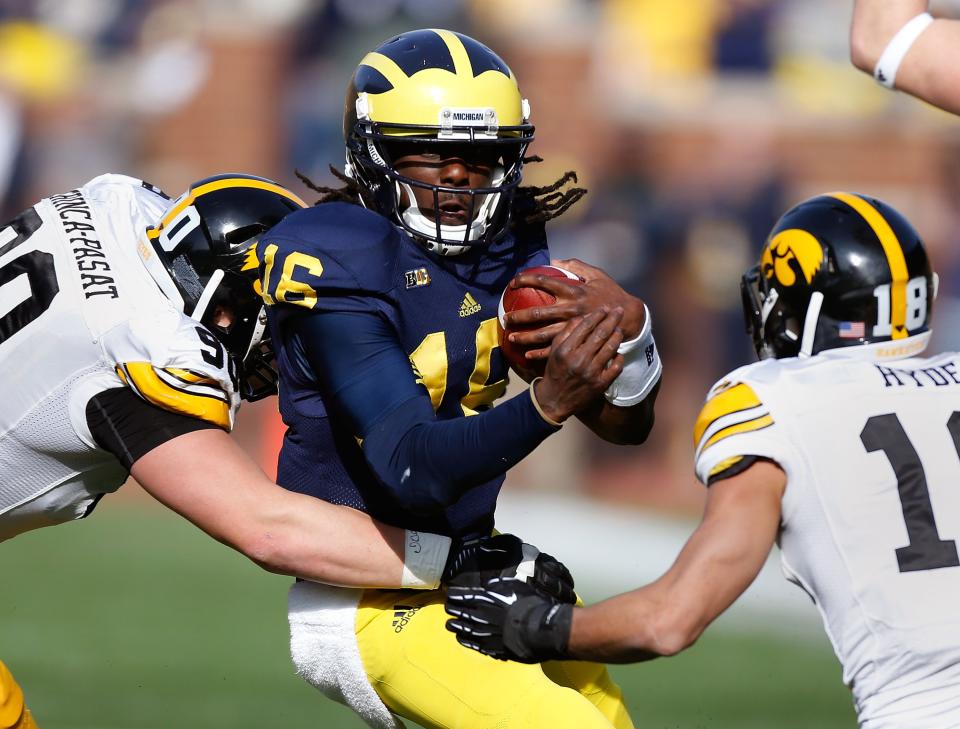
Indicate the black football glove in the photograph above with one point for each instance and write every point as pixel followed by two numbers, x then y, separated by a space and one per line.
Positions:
pixel 509 619
pixel 473 563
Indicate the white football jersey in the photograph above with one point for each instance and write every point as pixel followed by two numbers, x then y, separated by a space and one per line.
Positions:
pixel 80 314
pixel 870 515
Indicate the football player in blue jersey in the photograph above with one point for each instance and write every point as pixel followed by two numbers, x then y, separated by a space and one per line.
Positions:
pixel 383 303
pixel 140 329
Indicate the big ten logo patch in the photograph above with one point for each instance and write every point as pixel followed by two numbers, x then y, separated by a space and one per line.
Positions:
pixel 402 614
pixel 416 277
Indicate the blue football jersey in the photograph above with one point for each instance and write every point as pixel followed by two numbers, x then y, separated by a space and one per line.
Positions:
pixel 338 257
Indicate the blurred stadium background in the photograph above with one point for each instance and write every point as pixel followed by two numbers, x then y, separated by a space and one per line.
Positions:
pixel 693 124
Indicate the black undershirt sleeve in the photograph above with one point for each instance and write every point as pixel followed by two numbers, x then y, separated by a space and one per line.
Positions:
pixel 129 428
pixel 737 468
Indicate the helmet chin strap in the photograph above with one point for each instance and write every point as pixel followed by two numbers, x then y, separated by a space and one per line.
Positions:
pixel 158 272
pixel 810 324
pixel 204 301
pixel 417 221
pixel 420 223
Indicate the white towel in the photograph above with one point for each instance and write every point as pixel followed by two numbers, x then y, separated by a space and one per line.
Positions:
pixel 323 646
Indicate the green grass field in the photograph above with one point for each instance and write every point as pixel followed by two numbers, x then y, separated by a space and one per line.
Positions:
pixel 134 619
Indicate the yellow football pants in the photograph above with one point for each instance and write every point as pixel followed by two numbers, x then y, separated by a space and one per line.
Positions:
pixel 422 673
pixel 13 713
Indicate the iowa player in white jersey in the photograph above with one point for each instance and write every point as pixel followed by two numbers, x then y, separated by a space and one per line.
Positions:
pixel 841 445
pixel 131 325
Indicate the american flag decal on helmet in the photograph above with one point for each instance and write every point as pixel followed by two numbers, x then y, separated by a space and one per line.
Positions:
pixel 852 329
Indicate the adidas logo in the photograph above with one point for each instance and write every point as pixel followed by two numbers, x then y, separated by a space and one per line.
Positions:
pixel 402 615
pixel 469 305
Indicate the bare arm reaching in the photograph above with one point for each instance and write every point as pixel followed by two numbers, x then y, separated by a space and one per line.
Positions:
pixel 206 477
pixel 718 562
pixel 930 70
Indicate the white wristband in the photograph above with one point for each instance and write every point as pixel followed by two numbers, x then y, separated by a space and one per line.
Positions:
pixel 641 368
pixel 885 72
pixel 425 556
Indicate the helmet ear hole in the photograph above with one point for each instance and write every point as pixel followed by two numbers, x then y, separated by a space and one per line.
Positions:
pixel 223 316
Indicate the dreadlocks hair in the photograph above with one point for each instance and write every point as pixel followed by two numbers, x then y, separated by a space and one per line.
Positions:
pixel 349 193
pixel 540 204
pixel 533 204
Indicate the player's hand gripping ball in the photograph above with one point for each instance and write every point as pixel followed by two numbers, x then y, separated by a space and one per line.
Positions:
pixel 525 298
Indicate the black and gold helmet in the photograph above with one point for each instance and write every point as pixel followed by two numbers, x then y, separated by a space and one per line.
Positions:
pixel 205 244
pixel 840 270
pixel 437 87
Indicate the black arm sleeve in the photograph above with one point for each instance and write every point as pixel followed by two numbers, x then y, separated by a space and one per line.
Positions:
pixel 129 428
pixel 426 463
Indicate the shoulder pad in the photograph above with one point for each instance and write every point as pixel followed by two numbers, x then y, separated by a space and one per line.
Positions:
pixel 173 362
pixel 732 407
pixel 127 198
pixel 317 257
pixel 736 427
pixel 113 184
pixel 110 179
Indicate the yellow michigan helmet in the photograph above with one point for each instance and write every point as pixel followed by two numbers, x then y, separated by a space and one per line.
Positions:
pixel 436 87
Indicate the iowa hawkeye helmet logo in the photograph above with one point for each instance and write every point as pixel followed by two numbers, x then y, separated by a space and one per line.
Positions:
pixel 790 254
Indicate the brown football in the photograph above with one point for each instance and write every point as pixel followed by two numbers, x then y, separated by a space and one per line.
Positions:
pixel 524 298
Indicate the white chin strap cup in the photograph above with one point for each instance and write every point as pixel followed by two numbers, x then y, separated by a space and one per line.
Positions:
pixel 427 228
